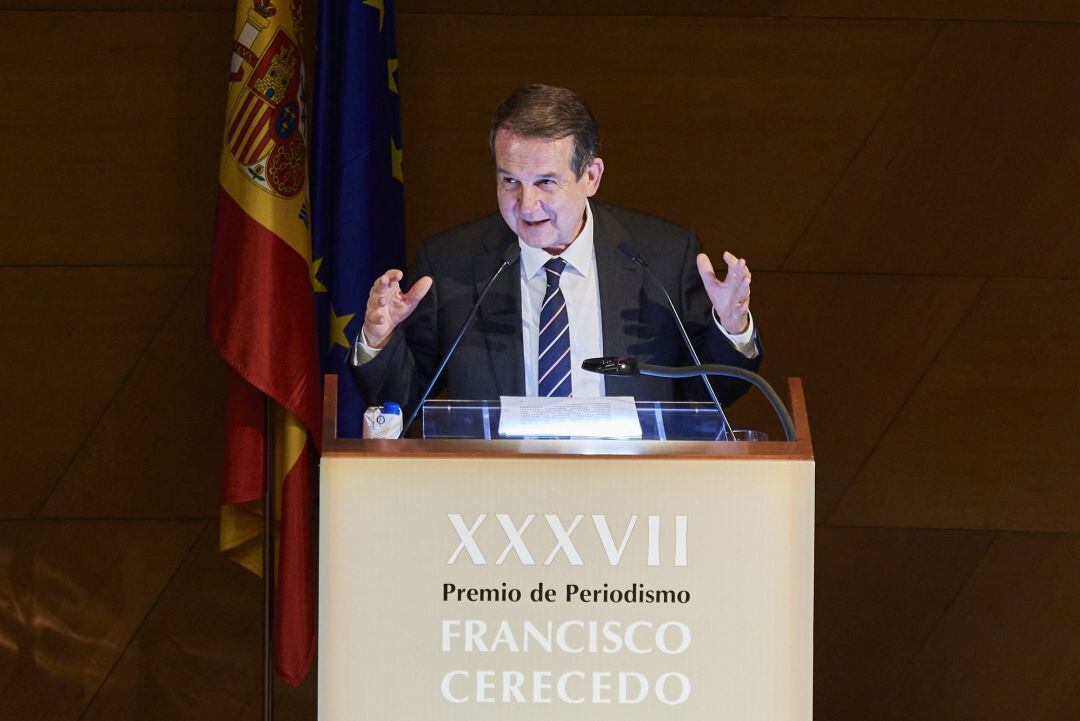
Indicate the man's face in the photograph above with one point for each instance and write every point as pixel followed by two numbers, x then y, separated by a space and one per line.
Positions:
pixel 540 198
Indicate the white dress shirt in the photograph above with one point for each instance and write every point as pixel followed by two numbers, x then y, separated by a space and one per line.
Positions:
pixel 581 291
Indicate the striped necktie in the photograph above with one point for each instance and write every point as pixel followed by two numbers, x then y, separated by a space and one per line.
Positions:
pixel 554 359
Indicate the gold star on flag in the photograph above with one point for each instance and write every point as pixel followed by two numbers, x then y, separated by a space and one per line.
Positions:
pixel 378 5
pixel 338 323
pixel 315 282
pixel 395 162
pixel 391 68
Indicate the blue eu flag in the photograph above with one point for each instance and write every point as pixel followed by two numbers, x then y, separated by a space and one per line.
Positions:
pixel 358 224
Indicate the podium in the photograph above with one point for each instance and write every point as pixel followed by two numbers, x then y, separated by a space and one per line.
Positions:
pixel 566 579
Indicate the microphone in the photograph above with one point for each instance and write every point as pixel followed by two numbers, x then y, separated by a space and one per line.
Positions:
pixel 509 257
pixel 612 365
pixel 640 262
pixel 627 366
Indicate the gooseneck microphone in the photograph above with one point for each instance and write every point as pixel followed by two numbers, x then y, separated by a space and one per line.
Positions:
pixel 509 257
pixel 640 262
pixel 627 366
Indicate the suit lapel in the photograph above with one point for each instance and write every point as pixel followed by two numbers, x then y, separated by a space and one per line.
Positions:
pixel 620 283
pixel 499 316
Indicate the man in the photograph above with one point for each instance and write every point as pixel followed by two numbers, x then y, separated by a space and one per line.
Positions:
pixel 573 294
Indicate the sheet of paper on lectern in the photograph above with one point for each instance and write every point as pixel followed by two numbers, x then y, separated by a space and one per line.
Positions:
pixel 611 417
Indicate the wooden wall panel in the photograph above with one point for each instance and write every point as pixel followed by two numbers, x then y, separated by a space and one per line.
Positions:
pixel 156 451
pixel 738 128
pixel 70 335
pixel 114 135
pixel 71 596
pixel 860 344
pixel 118 5
pixel 996 10
pixel 988 438
pixel 713 8
pixel 879 594
pixel 1009 647
pixel 197 655
pixel 973 171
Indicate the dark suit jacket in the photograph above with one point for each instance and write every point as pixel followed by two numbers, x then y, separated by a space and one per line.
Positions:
pixel 488 363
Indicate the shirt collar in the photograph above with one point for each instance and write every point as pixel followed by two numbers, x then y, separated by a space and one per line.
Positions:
pixel 578 255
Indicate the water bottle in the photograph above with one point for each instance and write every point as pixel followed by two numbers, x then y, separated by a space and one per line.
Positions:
pixel 383 421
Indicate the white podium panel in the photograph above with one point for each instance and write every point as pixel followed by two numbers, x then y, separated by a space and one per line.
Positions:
pixel 493 587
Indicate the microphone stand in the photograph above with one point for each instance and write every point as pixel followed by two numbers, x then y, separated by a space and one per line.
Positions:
pixel 510 256
pixel 640 262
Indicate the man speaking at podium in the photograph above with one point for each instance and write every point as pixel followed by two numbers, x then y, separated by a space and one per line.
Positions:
pixel 576 291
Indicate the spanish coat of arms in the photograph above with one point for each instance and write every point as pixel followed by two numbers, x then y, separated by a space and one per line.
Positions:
pixel 264 130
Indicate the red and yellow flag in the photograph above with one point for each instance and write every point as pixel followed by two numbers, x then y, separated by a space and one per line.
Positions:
pixel 261 315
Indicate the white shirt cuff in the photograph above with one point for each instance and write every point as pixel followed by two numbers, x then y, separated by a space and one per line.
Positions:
pixel 745 342
pixel 361 351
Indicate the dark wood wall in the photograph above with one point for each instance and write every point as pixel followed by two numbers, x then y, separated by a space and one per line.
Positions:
pixel 903 177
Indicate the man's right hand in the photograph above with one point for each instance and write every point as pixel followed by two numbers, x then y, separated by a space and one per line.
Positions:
pixel 387 306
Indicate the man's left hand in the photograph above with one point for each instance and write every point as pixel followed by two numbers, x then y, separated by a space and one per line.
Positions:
pixel 731 296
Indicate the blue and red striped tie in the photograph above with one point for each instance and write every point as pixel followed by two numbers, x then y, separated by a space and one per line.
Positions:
pixel 554 359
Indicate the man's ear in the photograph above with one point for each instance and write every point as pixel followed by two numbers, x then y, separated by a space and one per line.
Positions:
pixel 594 171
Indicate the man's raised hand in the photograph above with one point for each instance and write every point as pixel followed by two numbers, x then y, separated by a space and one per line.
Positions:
pixel 731 296
pixel 387 306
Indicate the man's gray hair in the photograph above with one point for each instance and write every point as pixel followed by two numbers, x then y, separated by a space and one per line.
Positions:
pixel 549 113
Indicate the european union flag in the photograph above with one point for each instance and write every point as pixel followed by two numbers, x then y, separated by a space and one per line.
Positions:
pixel 358 224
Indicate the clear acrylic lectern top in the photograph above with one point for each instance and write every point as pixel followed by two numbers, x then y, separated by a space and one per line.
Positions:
pixel 660 421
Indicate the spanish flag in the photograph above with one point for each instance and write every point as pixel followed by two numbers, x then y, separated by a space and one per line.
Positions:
pixel 261 316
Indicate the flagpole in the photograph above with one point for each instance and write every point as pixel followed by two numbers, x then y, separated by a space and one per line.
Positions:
pixel 268 563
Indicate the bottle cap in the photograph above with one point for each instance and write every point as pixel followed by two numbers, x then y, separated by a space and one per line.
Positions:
pixel 392 409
